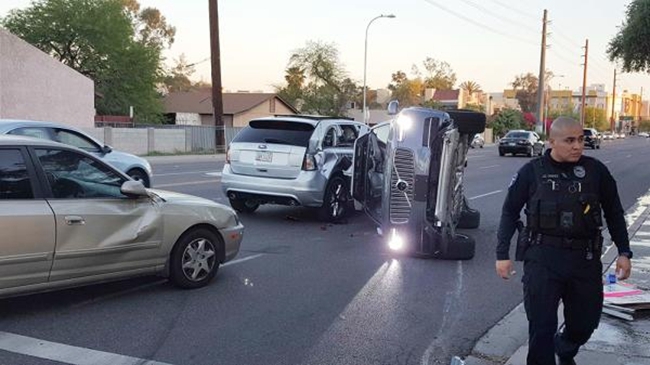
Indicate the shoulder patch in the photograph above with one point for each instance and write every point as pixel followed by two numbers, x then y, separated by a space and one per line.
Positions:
pixel 514 179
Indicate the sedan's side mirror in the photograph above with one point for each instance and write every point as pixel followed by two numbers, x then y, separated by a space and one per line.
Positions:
pixel 107 149
pixel 133 189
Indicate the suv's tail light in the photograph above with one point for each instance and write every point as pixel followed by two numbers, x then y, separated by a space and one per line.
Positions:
pixel 228 156
pixel 309 163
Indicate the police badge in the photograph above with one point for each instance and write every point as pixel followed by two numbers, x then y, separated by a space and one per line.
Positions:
pixel 579 172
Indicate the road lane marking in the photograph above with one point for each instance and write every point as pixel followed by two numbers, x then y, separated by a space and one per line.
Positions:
pixel 628 156
pixel 156 186
pixel 488 167
pixel 217 173
pixel 243 259
pixel 484 195
pixel 208 172
pixel 606 162
pixel 65 353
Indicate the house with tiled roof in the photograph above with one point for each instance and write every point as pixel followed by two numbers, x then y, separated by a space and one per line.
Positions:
pixel 195 107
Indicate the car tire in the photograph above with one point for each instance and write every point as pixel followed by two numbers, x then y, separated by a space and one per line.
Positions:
pixel 501 153
pixel 598 146
pixel 468 122
pixel 337 202
pixel 139 175
pixel 244 205
pixel 194 260
pixel 461 247
pixel 469 218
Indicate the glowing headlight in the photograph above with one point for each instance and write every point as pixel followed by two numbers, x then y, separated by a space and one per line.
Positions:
pixel 404 123
pixel 396 242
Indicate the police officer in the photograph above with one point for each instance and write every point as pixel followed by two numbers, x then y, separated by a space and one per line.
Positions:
pixel 565 194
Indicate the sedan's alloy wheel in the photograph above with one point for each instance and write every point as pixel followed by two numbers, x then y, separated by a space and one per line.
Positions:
pixel 198 259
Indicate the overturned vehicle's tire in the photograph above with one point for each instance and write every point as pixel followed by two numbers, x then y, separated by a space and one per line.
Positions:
pixel 468 122
pixel 469 218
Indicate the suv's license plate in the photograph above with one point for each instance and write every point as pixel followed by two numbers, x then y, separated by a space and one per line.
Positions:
pixel 511 144
pixel 264 156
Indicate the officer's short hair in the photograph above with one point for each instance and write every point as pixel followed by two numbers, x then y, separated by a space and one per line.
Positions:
pixel 562 123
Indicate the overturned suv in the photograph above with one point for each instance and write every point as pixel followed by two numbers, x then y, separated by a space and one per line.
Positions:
pixel 408 177
pixel 296 160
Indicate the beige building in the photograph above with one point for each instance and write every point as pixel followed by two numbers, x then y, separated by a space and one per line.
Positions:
pixel 35 86
pixel 195 107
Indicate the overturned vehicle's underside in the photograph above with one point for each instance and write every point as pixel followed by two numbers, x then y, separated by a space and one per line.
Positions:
pixel 408 177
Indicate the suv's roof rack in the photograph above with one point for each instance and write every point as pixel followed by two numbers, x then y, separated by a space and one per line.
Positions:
pixel 311 117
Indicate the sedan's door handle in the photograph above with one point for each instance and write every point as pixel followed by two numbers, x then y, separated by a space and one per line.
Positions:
pixel 74 220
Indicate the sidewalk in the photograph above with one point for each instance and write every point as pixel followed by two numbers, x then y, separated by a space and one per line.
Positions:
pixel 615 342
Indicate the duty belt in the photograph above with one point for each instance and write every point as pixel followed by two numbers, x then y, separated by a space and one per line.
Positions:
pixel 562 242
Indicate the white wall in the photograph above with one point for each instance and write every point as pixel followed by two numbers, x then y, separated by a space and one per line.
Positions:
pixel 35 86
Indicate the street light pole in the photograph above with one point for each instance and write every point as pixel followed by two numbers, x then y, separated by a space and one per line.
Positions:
pixel 365 62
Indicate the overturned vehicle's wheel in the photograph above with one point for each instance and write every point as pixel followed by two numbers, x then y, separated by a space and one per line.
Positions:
pixel 469 218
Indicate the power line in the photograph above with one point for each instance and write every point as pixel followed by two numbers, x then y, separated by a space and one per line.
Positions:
pixel 521 12
pixel 498 16
pixel 467 19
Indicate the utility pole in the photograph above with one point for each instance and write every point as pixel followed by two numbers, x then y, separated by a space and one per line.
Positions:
pixel 217 97
pixel 542 74
pixel 584 84
pixel 611 120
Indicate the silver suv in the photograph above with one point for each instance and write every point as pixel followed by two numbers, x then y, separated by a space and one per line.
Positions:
pixel 408 177
pixel 292 160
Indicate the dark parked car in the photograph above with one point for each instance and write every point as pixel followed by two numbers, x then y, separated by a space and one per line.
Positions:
pixel 521 142
pixel 592 138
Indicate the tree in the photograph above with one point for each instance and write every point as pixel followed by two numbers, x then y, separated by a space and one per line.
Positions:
pixel 439 75
pixel 293 91
pixel 526 91
pixel 150 25
pixel 596 118
pixel 407 91
pixel 178 78
pixel 506 120
pixel 568 111
pixel 328 90
pixel 470 87
pixel 631 45
pixel 110 41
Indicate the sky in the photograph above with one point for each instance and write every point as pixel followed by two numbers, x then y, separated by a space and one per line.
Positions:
pixel 486 41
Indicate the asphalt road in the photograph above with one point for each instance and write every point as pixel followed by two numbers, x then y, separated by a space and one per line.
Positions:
pixel 307 292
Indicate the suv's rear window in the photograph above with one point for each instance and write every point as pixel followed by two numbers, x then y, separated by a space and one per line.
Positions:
pixel 588 132
pixel 276 131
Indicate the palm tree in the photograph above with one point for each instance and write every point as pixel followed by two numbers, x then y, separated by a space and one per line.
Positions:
pixel 295 77
pixel 471 87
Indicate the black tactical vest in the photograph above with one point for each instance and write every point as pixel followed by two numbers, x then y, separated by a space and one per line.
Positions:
pixel 565 202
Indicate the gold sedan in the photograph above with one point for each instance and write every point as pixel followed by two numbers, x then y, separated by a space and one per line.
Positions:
pixel 68 219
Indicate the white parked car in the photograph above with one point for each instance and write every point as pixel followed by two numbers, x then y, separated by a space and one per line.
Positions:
pixel 136 167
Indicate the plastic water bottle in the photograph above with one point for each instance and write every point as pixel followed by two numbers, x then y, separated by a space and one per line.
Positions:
pixel 611 281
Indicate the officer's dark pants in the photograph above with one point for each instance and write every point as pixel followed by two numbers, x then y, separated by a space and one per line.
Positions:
pixel 551 274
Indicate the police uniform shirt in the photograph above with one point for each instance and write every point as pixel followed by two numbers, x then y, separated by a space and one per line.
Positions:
pixel 523 185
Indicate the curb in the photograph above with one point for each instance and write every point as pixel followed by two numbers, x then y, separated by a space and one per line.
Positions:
pixel 508 338
pixel 186 158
